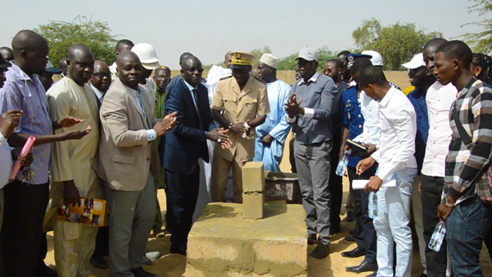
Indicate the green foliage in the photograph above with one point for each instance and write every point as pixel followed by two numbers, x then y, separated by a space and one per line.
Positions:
pixel 258 52
pixel 481 42
pixel 94 34
pixel 396 43
pixel 287 63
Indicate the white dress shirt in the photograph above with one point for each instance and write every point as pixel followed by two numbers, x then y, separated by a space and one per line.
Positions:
pixel 439 99
pixel 99 94
pixel 5 161
pixel 372 124
pixel 398 130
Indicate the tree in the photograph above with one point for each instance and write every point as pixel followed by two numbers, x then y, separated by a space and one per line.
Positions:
pixel 481 42
pixel 94 34
pixel 396 43
pixel 258 52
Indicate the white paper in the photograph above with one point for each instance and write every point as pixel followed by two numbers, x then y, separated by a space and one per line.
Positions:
pixel 360 184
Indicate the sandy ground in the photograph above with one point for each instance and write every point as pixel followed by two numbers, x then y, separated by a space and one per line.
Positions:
pixel 333 265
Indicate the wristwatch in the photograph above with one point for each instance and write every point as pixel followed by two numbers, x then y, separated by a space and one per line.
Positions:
pixel 446 203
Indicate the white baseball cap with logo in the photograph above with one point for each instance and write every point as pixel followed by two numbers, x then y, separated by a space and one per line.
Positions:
pixel 147 55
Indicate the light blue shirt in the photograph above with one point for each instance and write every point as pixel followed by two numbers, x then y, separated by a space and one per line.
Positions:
pixel 151 133
pixel 275 125
pixel 21 92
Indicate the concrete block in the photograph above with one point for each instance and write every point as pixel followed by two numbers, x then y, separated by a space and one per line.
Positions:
pixel 223 243
pixel 253 177
pixel 253 203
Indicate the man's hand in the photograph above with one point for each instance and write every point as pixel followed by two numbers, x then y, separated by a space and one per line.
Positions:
pixel 219 135
pixel 364 164
pixel 76 134
pixel 71 194
pixel 68 121
pixel 267 140
pixel 420 187
pixel 443 212
pixel 373 185
pixel 238 127
pixel 371 148
pixel 292 107
pixel 24 162
pixel 9 121
pixel 165 124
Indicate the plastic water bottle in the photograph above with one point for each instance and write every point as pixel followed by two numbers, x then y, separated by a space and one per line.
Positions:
pixel 372 209
pixel 437 237
pixel 342 164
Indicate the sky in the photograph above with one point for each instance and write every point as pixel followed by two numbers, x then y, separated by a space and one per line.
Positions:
pixel 210 28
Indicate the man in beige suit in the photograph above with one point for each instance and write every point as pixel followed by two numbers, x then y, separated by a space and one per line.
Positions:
pixel 125 155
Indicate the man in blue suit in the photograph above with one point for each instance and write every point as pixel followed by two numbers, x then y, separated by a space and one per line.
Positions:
pixel 184 146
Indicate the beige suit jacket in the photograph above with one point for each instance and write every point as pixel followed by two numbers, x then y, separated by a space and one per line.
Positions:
pixel 124 150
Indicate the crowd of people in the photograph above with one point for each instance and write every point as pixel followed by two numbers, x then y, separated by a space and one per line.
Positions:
pixel 119 132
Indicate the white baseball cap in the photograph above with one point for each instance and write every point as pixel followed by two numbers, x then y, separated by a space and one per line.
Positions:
pixel 308 54
pixel 416 62
pixel 146 54
pixel 269 60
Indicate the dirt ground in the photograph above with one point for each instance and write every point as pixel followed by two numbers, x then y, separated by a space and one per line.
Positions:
pixel 334 265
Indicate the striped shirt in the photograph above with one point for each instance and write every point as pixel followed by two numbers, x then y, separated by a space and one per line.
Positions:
pixel 22 92
pixel 464 163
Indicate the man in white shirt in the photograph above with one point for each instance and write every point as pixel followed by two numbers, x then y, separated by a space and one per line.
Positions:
pixel 439 100
pixel 396 163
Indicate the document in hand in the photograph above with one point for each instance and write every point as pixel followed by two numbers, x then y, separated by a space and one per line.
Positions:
pixel 360 184
pixel 90 212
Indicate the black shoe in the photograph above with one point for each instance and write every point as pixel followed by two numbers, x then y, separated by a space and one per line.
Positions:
pixel 321 251
pixel 350 238
pixel 363 267
pixel 350 216
pixel 98 262
pixel 312 240
pixel 423 275
pixel 44 270
pixel 140 272
pixel 354 253
pixel 374 274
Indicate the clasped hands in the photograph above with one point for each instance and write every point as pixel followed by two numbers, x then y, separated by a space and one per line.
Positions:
pixel 165 124
pixel 292 107
pixel 219 135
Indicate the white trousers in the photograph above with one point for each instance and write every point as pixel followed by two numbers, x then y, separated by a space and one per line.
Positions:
pixel 392 225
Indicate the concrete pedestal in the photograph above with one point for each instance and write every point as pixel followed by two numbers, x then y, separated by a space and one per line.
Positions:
pixel 223 243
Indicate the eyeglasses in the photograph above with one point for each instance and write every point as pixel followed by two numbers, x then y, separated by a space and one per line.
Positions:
pixel 101 75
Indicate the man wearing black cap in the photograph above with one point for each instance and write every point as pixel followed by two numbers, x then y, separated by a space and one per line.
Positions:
pixel 311 121
pixel 240 104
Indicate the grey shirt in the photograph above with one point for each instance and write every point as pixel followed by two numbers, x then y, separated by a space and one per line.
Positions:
pixel 318 96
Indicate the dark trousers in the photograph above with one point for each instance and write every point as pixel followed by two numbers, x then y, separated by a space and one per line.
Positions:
pixel 102 242
pixel 182 194
pixel 43 250
pixel 364 234
pixel 335 186
pixel 25 206
pixel 292 158
pixel 431 198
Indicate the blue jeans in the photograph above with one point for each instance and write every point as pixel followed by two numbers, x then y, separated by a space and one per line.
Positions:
pixel 466 228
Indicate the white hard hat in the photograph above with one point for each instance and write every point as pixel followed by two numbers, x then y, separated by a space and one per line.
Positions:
pixel 377 59
pixel 146 54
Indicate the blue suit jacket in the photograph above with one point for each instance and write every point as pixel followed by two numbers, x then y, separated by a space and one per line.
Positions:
pixel 186 142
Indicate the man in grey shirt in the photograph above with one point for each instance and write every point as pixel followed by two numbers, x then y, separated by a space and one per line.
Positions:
pixel 311 122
